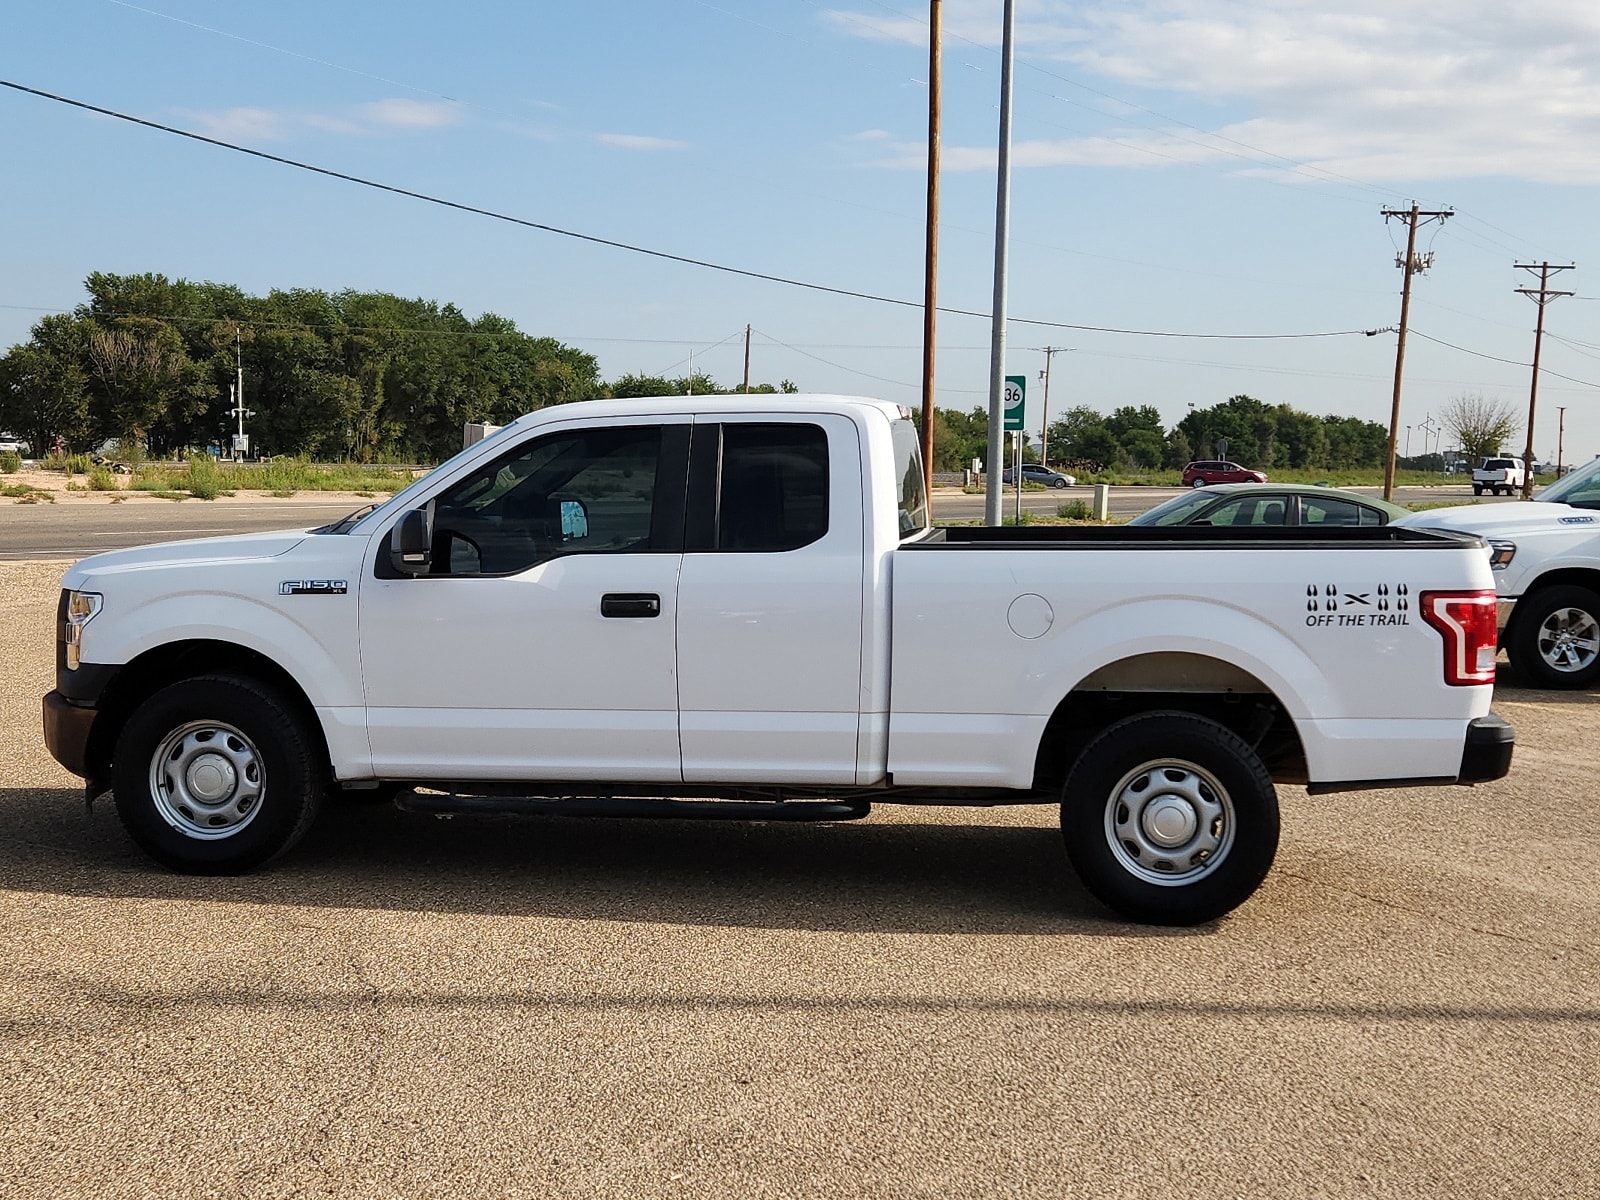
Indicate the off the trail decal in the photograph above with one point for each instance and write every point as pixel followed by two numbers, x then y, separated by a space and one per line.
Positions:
pixel 1328 606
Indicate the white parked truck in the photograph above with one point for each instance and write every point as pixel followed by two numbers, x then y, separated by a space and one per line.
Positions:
pixel 1498 476
pixel 736 606
pixel 1546 558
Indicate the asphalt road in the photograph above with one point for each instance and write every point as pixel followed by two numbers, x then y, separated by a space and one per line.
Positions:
pixel 75 528
pixel 922 1004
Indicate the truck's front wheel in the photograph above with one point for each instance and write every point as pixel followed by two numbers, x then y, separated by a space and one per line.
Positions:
pixel 1555 637
pixel 216 775
pixel 1170 818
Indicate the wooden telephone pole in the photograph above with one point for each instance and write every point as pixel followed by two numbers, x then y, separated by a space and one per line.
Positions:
pixel 1412 264
pixel 1540 296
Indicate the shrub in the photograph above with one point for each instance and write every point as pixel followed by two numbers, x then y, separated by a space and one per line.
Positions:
pixel 10 462
pixel 101 480
pixel 1076 510
pixel 205 480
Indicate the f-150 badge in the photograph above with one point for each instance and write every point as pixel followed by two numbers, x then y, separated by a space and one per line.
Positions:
pixel 1327 605
pixel 313 587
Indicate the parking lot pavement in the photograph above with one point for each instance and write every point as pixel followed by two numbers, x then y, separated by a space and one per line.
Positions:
pixel 924 1004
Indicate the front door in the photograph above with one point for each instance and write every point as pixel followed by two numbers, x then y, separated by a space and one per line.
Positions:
pixel 541 645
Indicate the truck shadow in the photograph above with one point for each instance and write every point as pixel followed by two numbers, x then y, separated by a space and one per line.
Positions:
pixel 875 875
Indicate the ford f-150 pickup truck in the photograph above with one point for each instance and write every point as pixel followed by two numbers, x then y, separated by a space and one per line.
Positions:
pixel 725 606
pixel 1546 558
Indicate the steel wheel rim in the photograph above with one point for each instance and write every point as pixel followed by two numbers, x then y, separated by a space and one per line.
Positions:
pixel 207 780
pixel 1569 640
pixel 1170 822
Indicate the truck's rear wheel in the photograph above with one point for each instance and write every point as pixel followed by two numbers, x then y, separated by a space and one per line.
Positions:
pixel 1555 637
pixel 1170 818
pixel 216 775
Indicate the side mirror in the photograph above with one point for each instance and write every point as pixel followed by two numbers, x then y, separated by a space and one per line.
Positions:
pixel 411 543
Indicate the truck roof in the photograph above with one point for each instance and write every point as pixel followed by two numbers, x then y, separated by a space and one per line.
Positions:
pixel 737 402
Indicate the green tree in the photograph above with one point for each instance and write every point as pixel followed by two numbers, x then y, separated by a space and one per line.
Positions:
pixel 1479 425
pixel 44 390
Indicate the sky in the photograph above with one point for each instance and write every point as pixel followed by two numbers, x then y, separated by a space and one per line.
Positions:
pixel 1205 167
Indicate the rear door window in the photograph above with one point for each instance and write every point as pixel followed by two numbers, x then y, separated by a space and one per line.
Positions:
pixel 773 489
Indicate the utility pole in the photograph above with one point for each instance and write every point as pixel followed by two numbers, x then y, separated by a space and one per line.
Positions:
pixel 1561 435
pixel 1049 352
pixel 930 284
pixel 1541 297
pixel 241 446
pixel 746 387
pixel 1002 239
pixel 1411 264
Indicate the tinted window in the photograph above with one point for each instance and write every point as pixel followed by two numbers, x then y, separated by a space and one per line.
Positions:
pixel 773 492
pixel 590 491
pixel 1248 510
pixel 1580 489
pixel 1316 510
pixel 911 498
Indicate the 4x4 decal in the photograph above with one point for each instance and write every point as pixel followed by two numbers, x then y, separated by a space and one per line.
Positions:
pixel 1328 605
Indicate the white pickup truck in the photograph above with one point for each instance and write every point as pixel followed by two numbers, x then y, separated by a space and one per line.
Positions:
pixel 1546 558
pixel 1498 476
pixel 728 606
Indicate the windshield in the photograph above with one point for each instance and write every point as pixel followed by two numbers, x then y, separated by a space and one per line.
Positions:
pixel 1581 489
pixel 1177 510
pixel 913 499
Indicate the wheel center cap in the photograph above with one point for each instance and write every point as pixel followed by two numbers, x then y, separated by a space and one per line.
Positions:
pixel 1169 821
pixel 211 777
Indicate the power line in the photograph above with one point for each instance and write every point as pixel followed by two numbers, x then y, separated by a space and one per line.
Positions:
pixel 1510 362
pixel 459 206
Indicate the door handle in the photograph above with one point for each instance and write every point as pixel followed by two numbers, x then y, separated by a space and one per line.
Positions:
pixel 630 604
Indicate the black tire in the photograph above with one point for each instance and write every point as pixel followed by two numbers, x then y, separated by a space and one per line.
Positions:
pixel 1198 483
pixel 1554 640
pixel 1477 489
pixel 250 785
pixel 1058 483
pixel 1218 814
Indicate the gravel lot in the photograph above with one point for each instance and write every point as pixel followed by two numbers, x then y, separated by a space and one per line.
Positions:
pixel 922 1004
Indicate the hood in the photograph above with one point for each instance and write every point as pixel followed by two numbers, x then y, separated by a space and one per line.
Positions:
pixel 1516 516
pixel 194 550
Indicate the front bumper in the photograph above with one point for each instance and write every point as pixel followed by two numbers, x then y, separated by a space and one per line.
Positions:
pixel 67 727
pixel 1487 752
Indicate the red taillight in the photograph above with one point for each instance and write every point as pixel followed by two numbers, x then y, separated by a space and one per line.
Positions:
pixel 1466 620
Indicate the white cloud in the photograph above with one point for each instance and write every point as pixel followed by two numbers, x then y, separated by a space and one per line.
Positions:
pixel 1364 88
pixel 631 141
pixel 241 124
pixel 380 116
pixel 411 114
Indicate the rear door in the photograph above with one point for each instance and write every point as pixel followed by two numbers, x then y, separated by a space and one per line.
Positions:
pixel 770 601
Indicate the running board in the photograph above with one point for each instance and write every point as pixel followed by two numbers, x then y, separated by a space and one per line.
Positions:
pixel 629 806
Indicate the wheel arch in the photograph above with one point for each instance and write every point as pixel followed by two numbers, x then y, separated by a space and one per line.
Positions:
pixel 1584 577
pixel 170 663
pixel 1183 682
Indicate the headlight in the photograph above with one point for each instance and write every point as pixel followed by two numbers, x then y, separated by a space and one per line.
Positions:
pixel 1501 554
pixel 81 608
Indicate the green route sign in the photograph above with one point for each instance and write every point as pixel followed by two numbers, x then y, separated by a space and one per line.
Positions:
pixel 1015 401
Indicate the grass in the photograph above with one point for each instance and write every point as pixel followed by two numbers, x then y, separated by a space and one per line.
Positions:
pixel 10 462
pixel 207 478
pixel 26 493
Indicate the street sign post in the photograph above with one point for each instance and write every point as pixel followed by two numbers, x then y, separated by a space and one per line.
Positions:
pixel 1016 410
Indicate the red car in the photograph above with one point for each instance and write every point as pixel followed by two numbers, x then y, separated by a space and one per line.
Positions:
pixel 1198 474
